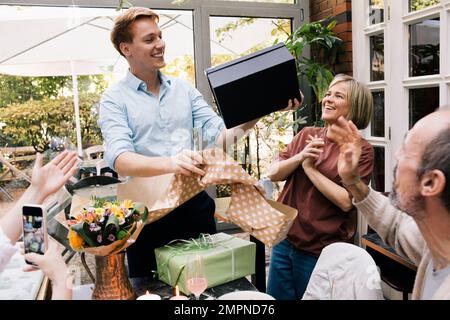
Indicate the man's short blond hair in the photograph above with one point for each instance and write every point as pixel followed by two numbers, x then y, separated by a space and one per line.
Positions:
pixel 360 100
pixel 121 31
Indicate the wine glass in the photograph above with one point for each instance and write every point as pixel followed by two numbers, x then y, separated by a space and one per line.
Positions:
pixel 196 281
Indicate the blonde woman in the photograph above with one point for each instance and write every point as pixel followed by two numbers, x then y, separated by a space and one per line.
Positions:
pixel 313 186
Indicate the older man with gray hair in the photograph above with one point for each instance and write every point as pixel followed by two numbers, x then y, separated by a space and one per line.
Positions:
pixel 416 222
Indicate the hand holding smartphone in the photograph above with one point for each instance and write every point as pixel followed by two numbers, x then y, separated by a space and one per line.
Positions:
pixel 34 229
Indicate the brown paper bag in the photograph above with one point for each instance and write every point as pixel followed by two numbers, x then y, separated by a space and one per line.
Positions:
pixel 161 194
pixel 82 197
pixel 267 221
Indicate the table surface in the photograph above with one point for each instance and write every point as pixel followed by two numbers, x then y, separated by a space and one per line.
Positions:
pixel 59 233
pixel 141 285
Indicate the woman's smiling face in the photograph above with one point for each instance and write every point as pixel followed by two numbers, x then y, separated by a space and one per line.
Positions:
pixel 335 103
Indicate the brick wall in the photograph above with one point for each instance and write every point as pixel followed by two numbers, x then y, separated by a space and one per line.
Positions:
pixel 341 10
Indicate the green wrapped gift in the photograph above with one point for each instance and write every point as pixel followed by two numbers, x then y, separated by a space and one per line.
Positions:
pixel 225 258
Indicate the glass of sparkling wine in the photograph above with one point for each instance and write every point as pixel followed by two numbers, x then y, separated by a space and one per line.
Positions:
pixel 196 281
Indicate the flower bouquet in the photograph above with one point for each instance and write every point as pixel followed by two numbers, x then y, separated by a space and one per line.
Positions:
pixel 106 228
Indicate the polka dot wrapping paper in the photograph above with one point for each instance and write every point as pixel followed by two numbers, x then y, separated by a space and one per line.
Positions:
pixel 266 220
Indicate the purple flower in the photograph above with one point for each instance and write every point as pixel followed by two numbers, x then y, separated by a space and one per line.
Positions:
pixel 99 238
pixel 111 238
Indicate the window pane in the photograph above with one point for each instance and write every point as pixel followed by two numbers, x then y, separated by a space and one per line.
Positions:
pixel 376 11
pixel 377 124
pixel 177 31
pixel 377 181
pixel 422 102
pixel 424 48
pixel 233 37
pixel 39 52
pixel 415 5
pixel 377 57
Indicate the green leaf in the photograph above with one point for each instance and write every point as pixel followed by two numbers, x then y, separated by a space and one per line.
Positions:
pixel 112 227
pixel 82 229
pixel 141 210
pixel 305 28
pixel 122 234
pixel 328 42
pixel 331 25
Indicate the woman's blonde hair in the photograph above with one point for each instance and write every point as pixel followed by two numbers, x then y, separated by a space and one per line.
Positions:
pixel 360 100
pixel 121 29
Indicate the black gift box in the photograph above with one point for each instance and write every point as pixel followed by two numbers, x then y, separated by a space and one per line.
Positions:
pixel 255 85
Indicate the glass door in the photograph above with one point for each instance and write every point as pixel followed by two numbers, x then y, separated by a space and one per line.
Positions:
pixel 399 49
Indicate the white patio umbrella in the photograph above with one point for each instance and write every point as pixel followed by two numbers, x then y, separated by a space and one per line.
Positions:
pixel 72 41
pixel 57 42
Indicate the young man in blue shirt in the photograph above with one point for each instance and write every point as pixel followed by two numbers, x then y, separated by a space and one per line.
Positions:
pixel 147 121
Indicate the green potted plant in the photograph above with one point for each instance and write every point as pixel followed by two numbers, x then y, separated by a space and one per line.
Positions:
pixel 316 70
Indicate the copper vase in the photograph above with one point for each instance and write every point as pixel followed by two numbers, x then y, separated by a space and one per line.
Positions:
pixel 111 280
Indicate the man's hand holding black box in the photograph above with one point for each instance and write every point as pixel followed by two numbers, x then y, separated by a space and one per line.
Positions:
pixel 255 85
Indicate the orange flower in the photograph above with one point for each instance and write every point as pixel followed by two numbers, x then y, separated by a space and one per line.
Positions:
pixel 76 242
pixel 77 217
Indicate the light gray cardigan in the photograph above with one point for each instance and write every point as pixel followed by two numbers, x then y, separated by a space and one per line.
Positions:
pixel 400 231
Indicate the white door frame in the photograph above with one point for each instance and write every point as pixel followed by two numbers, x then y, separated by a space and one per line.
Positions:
pixel 397 82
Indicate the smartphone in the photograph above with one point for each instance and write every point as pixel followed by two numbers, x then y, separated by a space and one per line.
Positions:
pixel 34 229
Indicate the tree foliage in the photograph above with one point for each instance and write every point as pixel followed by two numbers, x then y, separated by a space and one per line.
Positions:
pixel 325 48
pixel 224 32
pixel 37 122
pixel 36 109
pixel 14 89
pixel 422 4
pixel 181 67
pixel 255 151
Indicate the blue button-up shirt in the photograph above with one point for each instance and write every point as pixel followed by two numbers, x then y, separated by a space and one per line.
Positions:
pixel 133 119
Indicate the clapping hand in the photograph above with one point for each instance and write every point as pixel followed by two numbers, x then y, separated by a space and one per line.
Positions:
pixel 347 136
pixel 312 151
pixel 51 177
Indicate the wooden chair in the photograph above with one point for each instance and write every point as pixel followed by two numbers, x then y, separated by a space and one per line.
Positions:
pixel 14 172
pixel 397 275
pixel 94 152
pixel 103 169
pixel 99 168
pixel 13 169
pixel 396 271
